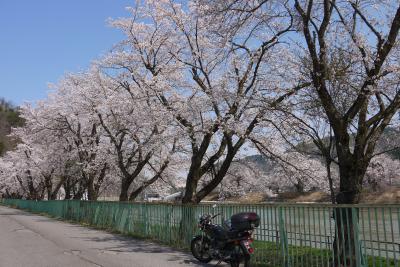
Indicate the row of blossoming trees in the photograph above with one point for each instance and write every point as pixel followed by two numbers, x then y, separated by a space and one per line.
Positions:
pixel 195 86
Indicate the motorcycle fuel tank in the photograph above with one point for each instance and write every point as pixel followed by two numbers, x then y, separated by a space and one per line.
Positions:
pixel 218 232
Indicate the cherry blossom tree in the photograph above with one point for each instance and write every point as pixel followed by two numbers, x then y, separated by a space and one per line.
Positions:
pixel 382 172
pixel 63 116
pixel 345 63
pixel 24 171
pixel 9 185
pixel 91 129
pixel 141 136
pixel 352 55
pixel 217 87
pixel 39 163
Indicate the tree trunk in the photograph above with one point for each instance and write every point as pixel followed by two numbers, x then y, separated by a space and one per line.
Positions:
pixel 98 180
pixel 192 180
pixel 346 245
pixel 299 186
pixel 123 196
pixel 219 176
pixel 67 193
pixel 78 195
pixel 188 224
pixel 81 190
pixel 54 193
pixel 330 181
pixel 92 194
pixel 135 193
pixel 49 187
pixel 190 190
pixel 67 189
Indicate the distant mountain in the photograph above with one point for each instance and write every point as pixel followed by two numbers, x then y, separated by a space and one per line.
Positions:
pixel 9 118
pixel 259 161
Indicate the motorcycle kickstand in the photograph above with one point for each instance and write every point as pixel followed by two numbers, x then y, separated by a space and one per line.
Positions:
pixel 218 263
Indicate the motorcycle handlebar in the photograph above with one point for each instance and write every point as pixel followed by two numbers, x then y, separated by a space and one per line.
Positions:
pixel 208 217
pixel 215 215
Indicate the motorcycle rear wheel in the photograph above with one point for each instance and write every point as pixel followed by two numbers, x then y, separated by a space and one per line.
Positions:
pixel 237 263
pixel 240 258
pixel 200 248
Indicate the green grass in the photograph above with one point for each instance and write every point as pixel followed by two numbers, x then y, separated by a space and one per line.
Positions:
pixel 270 254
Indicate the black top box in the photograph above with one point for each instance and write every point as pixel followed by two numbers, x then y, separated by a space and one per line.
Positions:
pixel 245 221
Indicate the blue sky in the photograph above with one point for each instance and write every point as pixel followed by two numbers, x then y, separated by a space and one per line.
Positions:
pixel 40 40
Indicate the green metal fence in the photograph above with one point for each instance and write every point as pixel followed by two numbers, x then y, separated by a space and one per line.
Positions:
pixel 289 235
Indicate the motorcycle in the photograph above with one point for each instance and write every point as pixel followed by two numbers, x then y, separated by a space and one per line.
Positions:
pixel 230 243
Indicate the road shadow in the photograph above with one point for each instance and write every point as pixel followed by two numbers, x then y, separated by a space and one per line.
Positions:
pixel 126 245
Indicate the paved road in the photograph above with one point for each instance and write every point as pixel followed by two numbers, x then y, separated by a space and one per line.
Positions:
pixel 28 240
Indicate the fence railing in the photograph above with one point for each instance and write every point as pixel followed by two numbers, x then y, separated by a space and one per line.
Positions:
pixel 289 235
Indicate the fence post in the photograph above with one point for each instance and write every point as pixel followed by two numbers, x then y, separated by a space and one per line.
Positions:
pixel 357 243
pixel 144 219
pixel 277 236
pixel 283 238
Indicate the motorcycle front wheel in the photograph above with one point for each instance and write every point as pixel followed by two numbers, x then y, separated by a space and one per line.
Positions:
pixel 200 248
